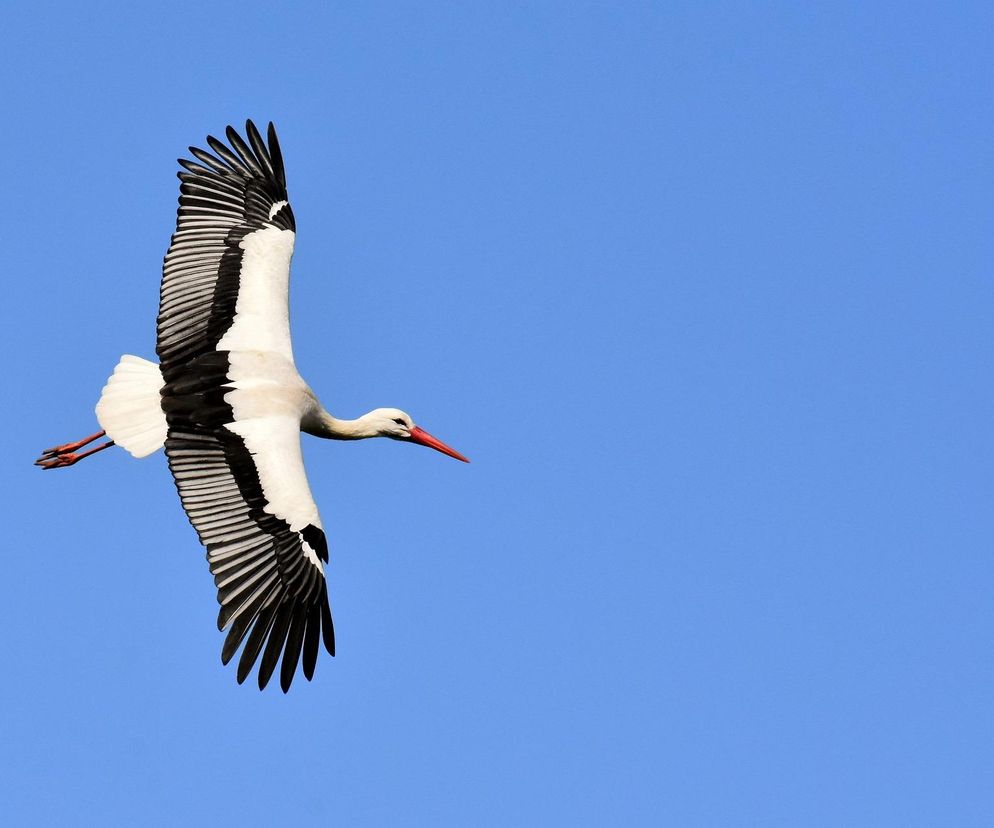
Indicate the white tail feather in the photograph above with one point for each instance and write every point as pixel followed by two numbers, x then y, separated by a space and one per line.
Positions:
pixel 130 410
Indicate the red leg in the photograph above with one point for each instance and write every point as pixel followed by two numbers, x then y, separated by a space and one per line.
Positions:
pixel 62 456
pixel 67 447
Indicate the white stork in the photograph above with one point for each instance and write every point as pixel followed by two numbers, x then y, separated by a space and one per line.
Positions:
pixel 227 403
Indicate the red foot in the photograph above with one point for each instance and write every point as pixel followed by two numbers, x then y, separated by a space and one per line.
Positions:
pixel 62 456
pixel 57 461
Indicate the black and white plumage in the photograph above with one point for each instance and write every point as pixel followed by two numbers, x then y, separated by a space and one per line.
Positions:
pixel 233 242
pixel 227 403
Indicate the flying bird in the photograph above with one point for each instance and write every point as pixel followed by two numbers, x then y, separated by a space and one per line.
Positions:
pixel 227 403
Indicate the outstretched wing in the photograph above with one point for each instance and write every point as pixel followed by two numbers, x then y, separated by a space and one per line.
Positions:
pixel 226 274
pixel 243 486
pixel 241 481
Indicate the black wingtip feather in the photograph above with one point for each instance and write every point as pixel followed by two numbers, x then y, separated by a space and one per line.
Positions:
pixel 312 640
pixel 277 637
pixel 291 653
pixel 227 156
pixel 242 624
pixel 244 153
pixel 327 626
pixel 275 154
pixel 212 163
pixel 259 148
pixel 256 639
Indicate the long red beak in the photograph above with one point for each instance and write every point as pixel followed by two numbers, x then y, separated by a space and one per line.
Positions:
pixel 422 437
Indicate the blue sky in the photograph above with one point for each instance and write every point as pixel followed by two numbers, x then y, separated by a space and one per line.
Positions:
pixel 704 291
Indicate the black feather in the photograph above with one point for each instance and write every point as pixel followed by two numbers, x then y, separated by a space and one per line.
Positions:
pixel 247 611
pixel 211 161
pixel 228 156
pixel 255 139
pixel 276 155
pixel 312 638
pixel 244 153
pixel 193 168
pixel 241 625
pixel 294 640
pixel 258 635
pixel 277 637
pixel 327 627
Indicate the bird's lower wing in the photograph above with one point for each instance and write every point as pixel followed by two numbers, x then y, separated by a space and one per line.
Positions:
pixel 244 488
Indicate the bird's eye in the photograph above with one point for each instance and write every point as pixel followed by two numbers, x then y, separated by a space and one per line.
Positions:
pixel 399 421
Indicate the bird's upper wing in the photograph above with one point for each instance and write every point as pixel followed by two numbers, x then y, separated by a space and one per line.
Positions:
pixel 243 486
pixel 226 274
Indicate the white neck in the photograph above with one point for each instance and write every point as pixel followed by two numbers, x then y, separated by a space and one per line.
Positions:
pixel 323 424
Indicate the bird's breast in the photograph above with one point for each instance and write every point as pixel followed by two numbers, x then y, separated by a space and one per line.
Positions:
pixel 265 384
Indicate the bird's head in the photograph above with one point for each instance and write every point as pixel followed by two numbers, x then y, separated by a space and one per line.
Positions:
pixel 398 425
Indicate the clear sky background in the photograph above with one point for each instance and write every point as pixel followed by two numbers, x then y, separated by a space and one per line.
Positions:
pixel 704 291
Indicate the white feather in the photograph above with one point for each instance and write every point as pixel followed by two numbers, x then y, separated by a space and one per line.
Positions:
pixel 130 408
pixel 262 320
